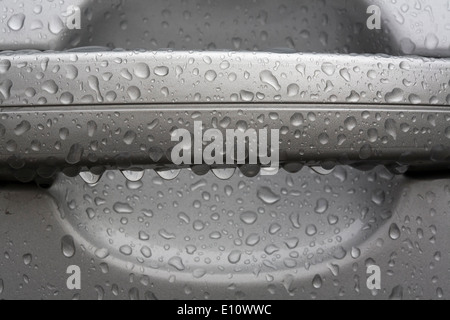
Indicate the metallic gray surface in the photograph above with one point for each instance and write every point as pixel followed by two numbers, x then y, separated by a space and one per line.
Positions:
pixel 418 28
pixel 99 138
pixel 193 224
pixel 220 77
pixel 362 100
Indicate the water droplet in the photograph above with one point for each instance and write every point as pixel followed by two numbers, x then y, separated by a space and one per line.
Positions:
pixel 134 93
pixel 317 281
pixel 5 88
pixel 268 78
pixel 177 263
pixel 365 152
pixel 168 174
pixel 224 174
pixel 350 123
pixel 353 97
pixel 431 41
pixel 274 228
pixel 22 128
pixel 394 96
pixel 27 258
pixel 252 240
pixel 4 66
pixel 75 154
pixel 320 170
pixel 162 71
pixel 16 22
pixel 394 232
pixel 311 230
pixel 146 252
pixel 210 75
pixel 95 85
pixel 133 175
pixel 321 206
pixel 50 86
pixel 345 74
pixel 66 98
pixel 391 128
pixel 122 208
pixel 249 217
pixel 328 68
pixel 141 70
pixel 297 119
pixel 198 273
pixel 55 25
pixel 234 256
pixel 102 253
pixel 129 137
pixel 68 246
pixel 267 196
pixel 126 250
pixel 293 90
pixel 89 177
pixel 246 95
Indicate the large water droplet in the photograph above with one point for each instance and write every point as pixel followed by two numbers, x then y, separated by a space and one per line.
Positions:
pixel 16 22
pixel 89 177
pixel 394 232
pixel 168 174
pixel 132 175
pixel 141 70
pixel 234 256
pixel 267 196
pixel 210 75
pixel 177 263
pixel 249 217
pixel 162 71
pixel 224 174
pixel 50 86
pixel 328 68
pixel 122 208
pixel 68 246
pixel 75 154
pixel 317 281
pixel 22 128
pixel 394 96
pixel 321 206
pixel 431 41
pixel 268 78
